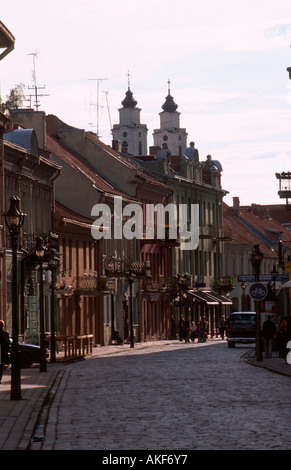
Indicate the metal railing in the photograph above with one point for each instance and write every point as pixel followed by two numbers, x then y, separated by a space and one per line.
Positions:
pixel 70 347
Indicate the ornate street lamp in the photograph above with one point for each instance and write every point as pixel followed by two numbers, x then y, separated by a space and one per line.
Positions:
pixel 40 254
pixel 243 286
pixel 131 279
pixel 274 275
pixel 181 281
pixel 52 266
pixel 256 260
pixel 14 219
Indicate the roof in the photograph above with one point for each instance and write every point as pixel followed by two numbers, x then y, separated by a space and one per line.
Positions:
pixel 66 213
pixel 54 125
pixel 25 138
pixel 7 41
pixel 279 212
pixel 82 166
pixel 169 106
pixel 128 101
pixel 248 227
pixel 131 161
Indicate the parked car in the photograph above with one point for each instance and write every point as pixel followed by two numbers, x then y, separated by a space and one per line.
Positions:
pixel 241 328
pixel 28 354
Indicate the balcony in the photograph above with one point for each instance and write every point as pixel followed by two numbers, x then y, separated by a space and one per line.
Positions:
pixel 123 267
pixel 207 231
pixel 223 285
pixel 215 233
pixel 165 240
pixel 87 283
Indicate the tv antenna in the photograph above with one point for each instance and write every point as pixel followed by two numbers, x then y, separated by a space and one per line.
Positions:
pixel 35 87
pixel 106 95
pixel 98 80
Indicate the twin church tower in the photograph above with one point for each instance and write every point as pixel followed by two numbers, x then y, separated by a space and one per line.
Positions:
pixel 133 135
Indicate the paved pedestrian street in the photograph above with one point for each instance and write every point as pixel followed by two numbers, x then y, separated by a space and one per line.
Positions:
pixel 192 397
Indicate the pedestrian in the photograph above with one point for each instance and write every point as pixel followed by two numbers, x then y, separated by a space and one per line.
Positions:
pixel 268 332
pixel 173 327
pixel 222 326
pixel 193 329
pixel 206 329
pixel 284 335
pixel 186 327
pixel 201 330
pixel 4 348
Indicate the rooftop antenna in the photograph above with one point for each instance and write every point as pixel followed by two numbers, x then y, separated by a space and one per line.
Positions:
pixel 106 96
pixel 35 87
pixel 98 80
pixel 169 85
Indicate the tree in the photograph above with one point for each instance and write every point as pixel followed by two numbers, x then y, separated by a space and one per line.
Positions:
pixel 14 99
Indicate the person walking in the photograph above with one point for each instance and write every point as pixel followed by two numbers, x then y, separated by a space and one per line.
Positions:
pixel 268 332
pixel 222 326
pixel 186 328
pixel 201 330
pixel 193 329
pixel 4 348
pixel 284 335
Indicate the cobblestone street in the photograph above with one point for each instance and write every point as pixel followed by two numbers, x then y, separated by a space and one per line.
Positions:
pixel 201 396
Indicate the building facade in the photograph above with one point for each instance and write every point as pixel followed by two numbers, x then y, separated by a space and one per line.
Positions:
pixel 30 176
pixel 263 226
pixel 198 183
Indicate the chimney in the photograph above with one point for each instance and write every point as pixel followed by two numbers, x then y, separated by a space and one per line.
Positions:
pixel 30 119
pixel 236 206
pixel 116 145
pixel 154 150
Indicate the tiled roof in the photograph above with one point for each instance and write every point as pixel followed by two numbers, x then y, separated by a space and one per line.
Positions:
pixel 130 161
pixel 279 212
pixel 250 228
pixel 83 167
pixel 64 212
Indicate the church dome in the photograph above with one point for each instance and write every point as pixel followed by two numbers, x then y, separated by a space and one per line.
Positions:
pixel 169 106
pixel 128 101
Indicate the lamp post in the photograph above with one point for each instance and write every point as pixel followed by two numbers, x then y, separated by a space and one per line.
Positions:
pixel 40 252
pixel 14 219
pixel 256 259
pixel 274 275
pixel 243 286
pixel 181 283
pixel 53 263
pixel 131 278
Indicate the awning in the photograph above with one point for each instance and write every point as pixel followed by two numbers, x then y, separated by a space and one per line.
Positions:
pixel 221 299
pixel 204 297
pixel 287 285
pixel 211 298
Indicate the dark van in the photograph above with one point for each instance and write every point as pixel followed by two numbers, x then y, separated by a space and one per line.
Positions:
pixel 241 328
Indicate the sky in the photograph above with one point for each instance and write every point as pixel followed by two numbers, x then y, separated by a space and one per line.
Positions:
pixel 226 61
